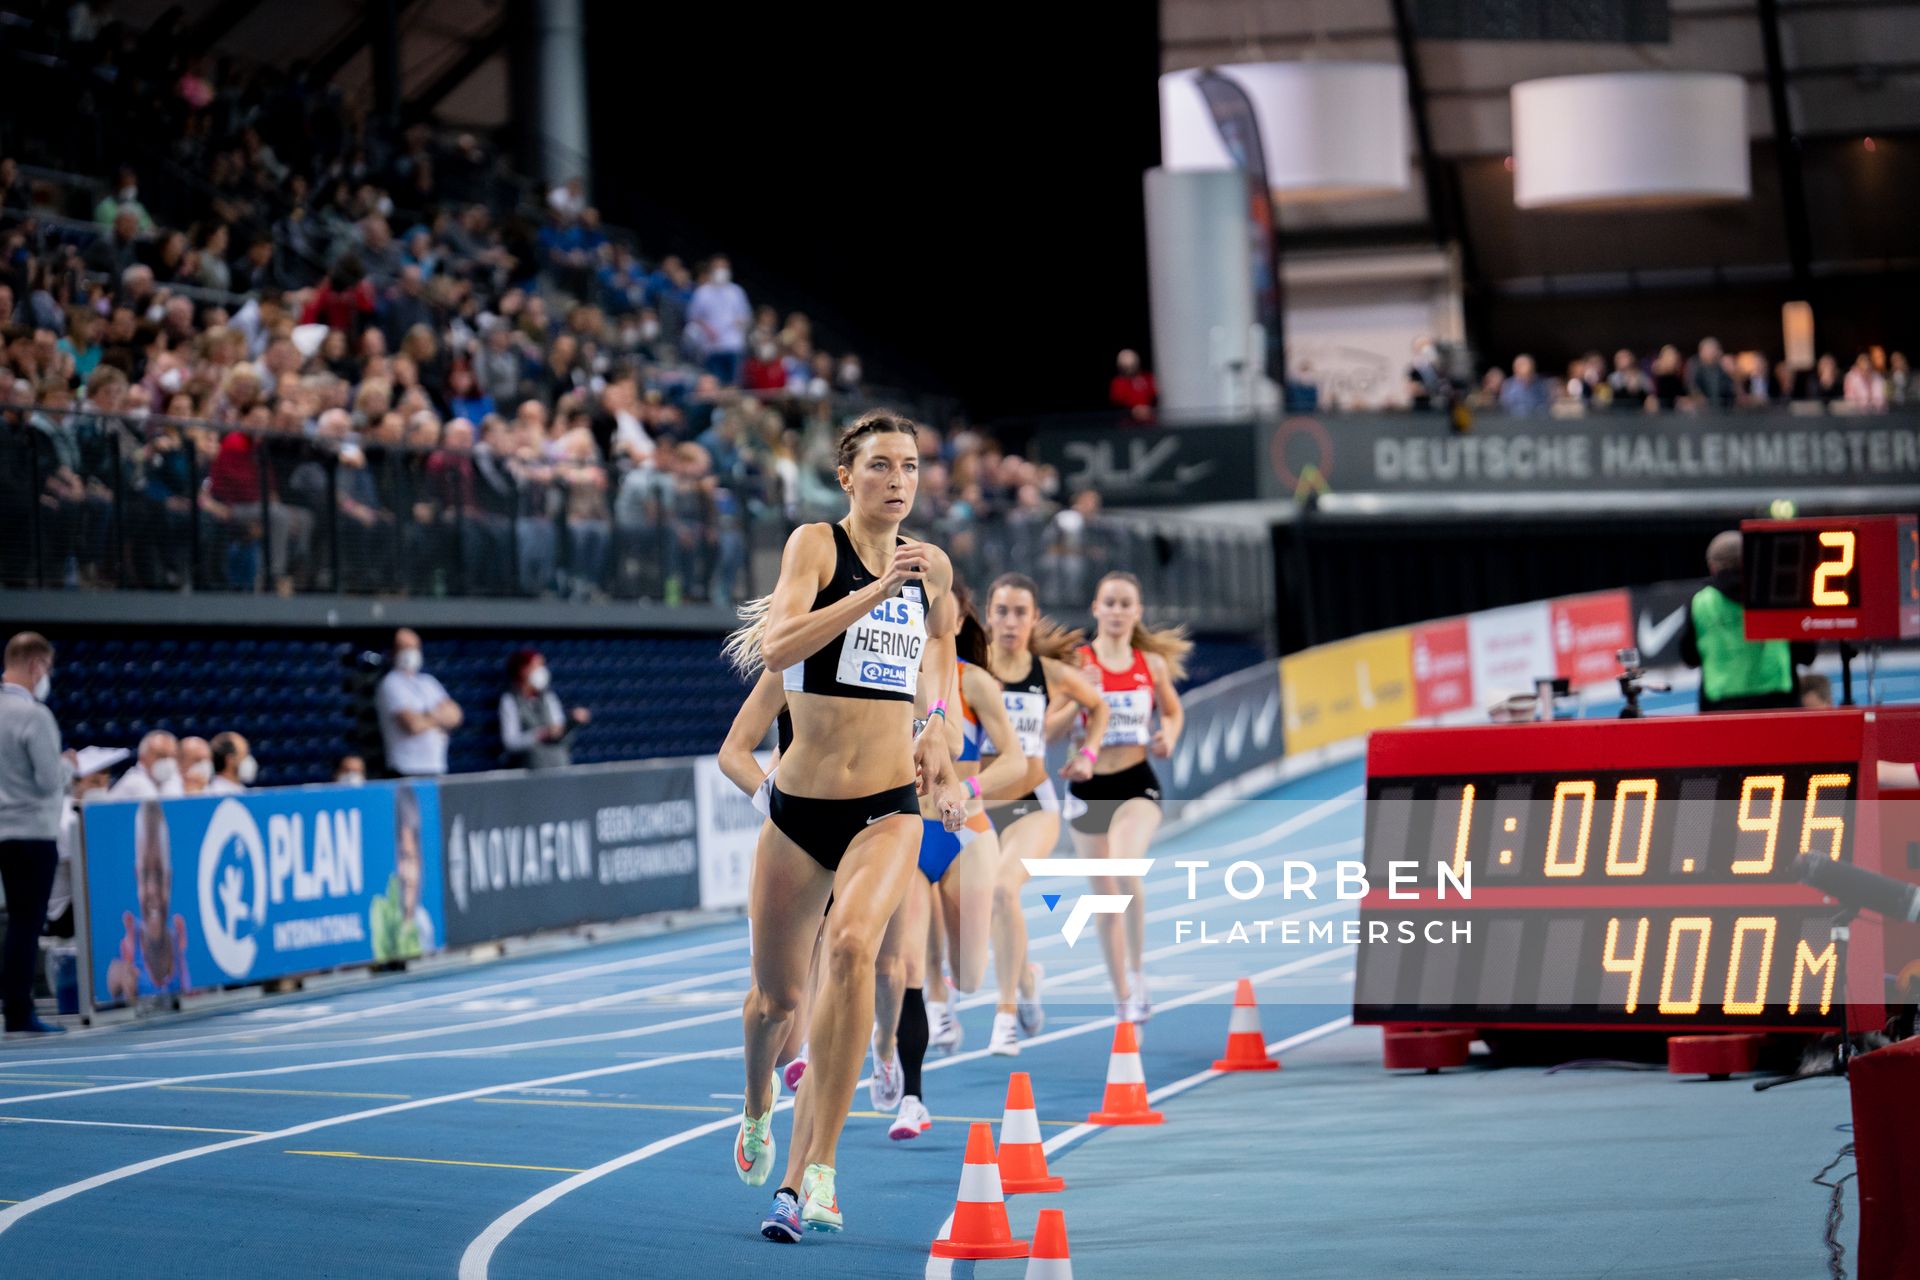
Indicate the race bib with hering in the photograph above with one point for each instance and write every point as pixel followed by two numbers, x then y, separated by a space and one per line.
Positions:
pixel 882 650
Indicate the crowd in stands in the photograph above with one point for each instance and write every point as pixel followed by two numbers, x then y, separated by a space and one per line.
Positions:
pixel 1710 379
pixel 339 356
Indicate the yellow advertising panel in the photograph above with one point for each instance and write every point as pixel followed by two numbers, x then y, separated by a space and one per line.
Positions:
pixel 1344 689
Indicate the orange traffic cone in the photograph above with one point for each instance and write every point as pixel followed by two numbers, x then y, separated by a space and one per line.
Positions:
pixel 980 1228
pixel 1050 1259
pixel 1126 1097
pixel 1246 1047
pixel 1023 1160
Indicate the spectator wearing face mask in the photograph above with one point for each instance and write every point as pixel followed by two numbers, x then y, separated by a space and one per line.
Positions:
pixel 350 771
pixel 196 765
pixel 718 318
pixel 416 715
pixel 156 774
pixel 234 767
pixel 536 731
pixel 34 776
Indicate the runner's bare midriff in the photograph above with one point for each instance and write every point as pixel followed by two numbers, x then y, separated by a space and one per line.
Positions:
pixel 846 747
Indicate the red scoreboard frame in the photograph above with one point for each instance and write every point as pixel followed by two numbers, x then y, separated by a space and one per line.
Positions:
pixel 1658 909
pixel 1852 578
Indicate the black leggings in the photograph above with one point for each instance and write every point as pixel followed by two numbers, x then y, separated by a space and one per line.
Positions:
pixel 912 1040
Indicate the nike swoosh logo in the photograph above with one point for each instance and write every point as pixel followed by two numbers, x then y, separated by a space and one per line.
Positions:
pixel 882 818
pixel 740 1154
pixel 1655 636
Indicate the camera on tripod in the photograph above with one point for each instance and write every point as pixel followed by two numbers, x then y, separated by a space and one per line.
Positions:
pixel 1634 682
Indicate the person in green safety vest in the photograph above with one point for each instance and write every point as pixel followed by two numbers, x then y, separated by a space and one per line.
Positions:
pixel 1736 674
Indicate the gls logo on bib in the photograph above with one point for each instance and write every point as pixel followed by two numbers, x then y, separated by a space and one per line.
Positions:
pixel 882 650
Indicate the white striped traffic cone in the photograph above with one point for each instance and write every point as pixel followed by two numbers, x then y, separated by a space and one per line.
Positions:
pixel 1050 1260
pixel 1246 1047
pixel 1126 1097
pixel 1023 1159
pixel 980 1228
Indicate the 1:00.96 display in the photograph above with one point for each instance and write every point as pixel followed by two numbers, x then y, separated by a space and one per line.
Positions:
pixel 1687 826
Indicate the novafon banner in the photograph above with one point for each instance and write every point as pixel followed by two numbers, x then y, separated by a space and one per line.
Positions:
pixel 526 852
pixel 210 891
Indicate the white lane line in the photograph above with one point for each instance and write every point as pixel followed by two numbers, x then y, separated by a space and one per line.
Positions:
pixel 549 978
pixel 1280 831
pixel 1067 1137
pixel 15 1213
pixel 649 1029
pixel 477 1259
pixel 120 1124
pixel 12 1215
pixel 1176 910
pixel 944 1268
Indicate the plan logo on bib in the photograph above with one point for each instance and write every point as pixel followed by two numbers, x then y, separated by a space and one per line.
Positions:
pixel 233 888
pixel 1087 905
pixel 890 674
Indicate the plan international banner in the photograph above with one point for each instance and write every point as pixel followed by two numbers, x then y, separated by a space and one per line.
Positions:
pixel 211 891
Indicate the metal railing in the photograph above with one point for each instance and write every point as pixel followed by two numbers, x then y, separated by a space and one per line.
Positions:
pixel 103 501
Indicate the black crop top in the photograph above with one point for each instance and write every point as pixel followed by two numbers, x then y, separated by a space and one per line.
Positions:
pixel 1026 703
pixel 879 655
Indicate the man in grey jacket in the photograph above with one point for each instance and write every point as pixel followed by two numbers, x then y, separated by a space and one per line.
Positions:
pixel 34 774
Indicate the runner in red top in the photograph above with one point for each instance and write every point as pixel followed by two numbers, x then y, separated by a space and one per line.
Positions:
pixel 1116 812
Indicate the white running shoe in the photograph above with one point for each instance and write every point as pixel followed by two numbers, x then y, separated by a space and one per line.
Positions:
pixel 1141 1005
pixel 886 1084
pixel 912 1121
pixel 753 1149
pixel 1006 1035
pixel 943 1029
pixel 819 1203
pixel 1032 1015
pixel 941 1025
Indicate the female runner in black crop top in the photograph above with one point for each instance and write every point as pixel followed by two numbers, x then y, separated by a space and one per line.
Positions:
pixel 861 626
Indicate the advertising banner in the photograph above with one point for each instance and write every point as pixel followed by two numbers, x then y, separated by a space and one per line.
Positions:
pixel 1511 648
pixel 1153 466
pixel 1442 668
pixel 729 829
pixel 1344 689
pixel 526 852
pixel 1659 616
pixel 211 891
pixel 1420 453
pixel 1232 726
pixel 1588 631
